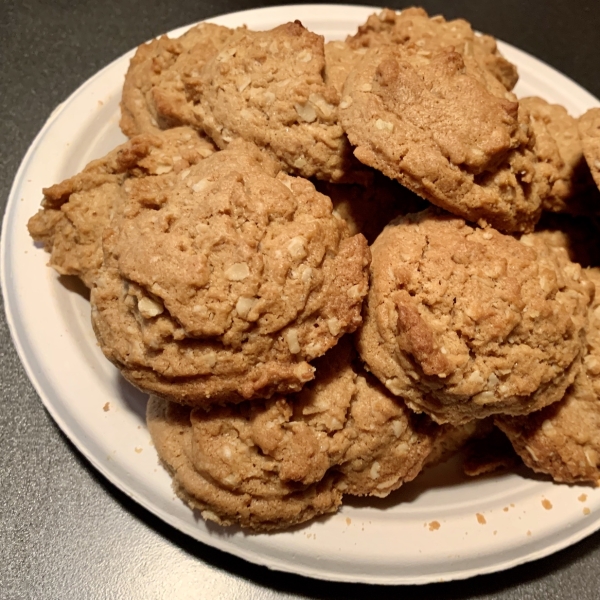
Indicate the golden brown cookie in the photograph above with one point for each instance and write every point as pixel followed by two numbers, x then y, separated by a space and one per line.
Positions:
pixel 158 89
pixel 448 131
pixel 368 210
pixel 270 464
pixel 389 444
pixel 225 280
pixel 589 132
pixel 414 28
pixel 464 322
pixel 268 88
pixel 340 59
pixel 559 150
pixel 563 440
pixel 172 434
pixel 76 211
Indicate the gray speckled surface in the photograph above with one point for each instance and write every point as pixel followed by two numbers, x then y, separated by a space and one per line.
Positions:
pixel 65 532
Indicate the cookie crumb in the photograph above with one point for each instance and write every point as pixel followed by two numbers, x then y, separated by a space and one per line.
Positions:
pixel 582 498
pixel 137 449
pixel 480 519
pixel 529 533
pixel 348 520
pixel 586 511
pixel 546 504
pixel 434 526
pixel 106 407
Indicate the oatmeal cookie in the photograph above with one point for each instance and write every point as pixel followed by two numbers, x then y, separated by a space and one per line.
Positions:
pixel 158 88
pixel 368 210
pixel 563 440
pixel 453 438
pixel 268 88
pixel 589 132
pixel 389 444
pixel 413 27
pixel 340 59
pixel 464 322
pixel 559 150
pixel 446 130
pixel 76 211
pixel 225 280
pixel 272 463
pixel 173 436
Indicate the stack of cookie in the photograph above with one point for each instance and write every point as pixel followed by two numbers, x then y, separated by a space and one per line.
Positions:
pixel 328 266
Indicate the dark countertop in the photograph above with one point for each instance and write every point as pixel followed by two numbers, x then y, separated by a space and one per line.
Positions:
pixel 65 531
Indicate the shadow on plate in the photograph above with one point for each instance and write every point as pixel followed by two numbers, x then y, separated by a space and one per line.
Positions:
pixel 74 285
pixel 133 399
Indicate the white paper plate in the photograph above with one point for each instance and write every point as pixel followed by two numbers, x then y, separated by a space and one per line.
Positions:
pixel 439 527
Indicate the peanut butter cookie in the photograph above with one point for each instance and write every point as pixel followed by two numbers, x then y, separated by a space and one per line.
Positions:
pixel 272 463
pixel 158 89
pixel 224 281
pixel 444 128
pixel 589 132
pixel 414 28
pixel 76 211
pixel 558 148
pixel 464 322
pixel 563 440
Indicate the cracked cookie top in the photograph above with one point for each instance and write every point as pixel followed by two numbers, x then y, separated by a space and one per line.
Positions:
pixel 223 281
pixel 269 464
pixel 559 150
pixel 444 128
pixel 464 322
pixel 414 27
pixel 159 84
pixel 268 88
pixel 76 211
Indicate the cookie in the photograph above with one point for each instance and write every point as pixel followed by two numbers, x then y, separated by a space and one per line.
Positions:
pixel 172 434
pixel 441 126
pixel 388 443
pixel 76 211
pixel 563 440
pixel 464 322
pixel 414 27
pixel 488 453
pixel 368 210
pixel 268 88
pixel 157 93
pixel 558 148
pixel 223 282
pixel 340 59
pixel 453 438
pixel 273 463
pixel 589 132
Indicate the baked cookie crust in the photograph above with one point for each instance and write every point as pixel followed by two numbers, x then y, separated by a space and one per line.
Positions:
pixel 224 282
pixel 414 27
pixel 464 322
pixel 76 211
pixel 447 130
pixel 563 440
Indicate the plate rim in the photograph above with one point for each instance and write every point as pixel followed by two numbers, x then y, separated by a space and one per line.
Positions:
pixel 11 305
